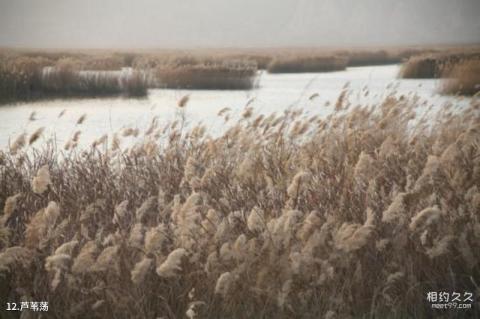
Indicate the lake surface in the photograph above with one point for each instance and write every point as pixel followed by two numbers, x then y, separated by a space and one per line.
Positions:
pixel 276 92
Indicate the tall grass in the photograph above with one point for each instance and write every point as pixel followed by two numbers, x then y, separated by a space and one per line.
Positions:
pixel 262 60
pixel 22 71
pixel 88 60
pixel 463 78
pixel 357 215
pixel 428 66
pixel 190 74
pixel 460 70
pixel 422 67
pixel 296 64
pixel 24 78
pixel 379 57
pixel 20 77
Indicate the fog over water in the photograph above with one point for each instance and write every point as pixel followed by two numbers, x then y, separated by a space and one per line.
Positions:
pixel 236 23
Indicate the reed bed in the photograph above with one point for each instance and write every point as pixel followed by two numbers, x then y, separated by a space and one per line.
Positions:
pixel 463 78
pixel 262 60
pixel 85 59
pixel 24 78
pixel 20 77
pixel 436 65
pixel 299 64
pixel 379 57
pixel 422 67
pixel 358 215
pixel 21 71
pixel 210 75
pixel 459 70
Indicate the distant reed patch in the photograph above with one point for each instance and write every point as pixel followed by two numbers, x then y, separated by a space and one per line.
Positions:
pixel 238 75
pixel 35 74
pixel 463 78
pixel 435 65
pixel 421 68
pixel 298 64
pixel 378 57
pixel 26 78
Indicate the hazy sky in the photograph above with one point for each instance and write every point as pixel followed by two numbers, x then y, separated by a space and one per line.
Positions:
pixel 236 23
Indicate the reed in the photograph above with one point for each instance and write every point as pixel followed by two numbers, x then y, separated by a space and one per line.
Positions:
pixel 20 77
pixel 422 67
pixel 188 74
pixel 379 57
pixel 463 78
pixel 359 214
pixel 294 64
pixel 437 65
pixel 25 78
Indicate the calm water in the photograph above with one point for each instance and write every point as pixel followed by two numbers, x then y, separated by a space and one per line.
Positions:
pixel 275 93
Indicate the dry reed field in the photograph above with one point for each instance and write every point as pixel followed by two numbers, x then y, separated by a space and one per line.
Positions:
pixel 34 75
pixel 29 78
pixel 463 78
pixel 213 75
pixel 436 65
pixel 459 71
pixel 381 57
pixel 357 215
pixel 23 76
pixel 296 64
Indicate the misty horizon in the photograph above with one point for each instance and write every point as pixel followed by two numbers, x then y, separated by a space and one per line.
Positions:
pixel 236 24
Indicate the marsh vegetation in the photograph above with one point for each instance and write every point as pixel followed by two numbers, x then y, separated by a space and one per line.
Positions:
pixel 354 214
pixel 460 69
pixel 283 216
pixel 30 74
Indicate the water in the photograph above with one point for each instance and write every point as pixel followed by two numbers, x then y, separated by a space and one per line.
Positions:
pixel 276 93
